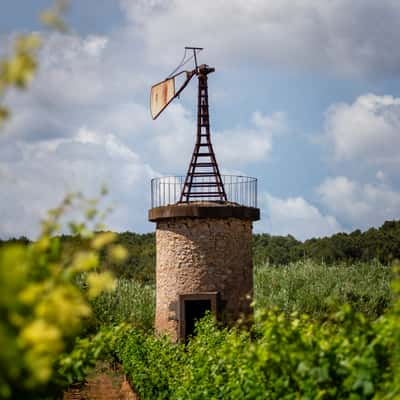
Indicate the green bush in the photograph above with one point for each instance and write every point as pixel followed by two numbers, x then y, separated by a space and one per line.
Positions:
pixel 346 357
pixel 42 310
pixel 153 364
pixel 285 356
pixel 74 366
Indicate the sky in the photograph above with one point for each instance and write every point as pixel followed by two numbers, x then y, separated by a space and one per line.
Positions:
pixel 305 97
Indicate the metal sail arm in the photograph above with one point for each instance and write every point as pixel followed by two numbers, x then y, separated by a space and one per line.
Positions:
pixel 189 76
pixel 163 93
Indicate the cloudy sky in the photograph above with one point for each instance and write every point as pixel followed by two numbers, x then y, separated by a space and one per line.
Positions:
pixel 306 97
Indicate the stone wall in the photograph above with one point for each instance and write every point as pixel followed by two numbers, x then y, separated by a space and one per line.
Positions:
pixel 203 255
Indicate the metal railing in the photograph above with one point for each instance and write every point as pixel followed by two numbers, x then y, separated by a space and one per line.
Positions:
pixel 241 190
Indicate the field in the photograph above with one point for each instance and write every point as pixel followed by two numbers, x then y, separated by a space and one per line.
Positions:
pixel 317 289
pixel 303 286
pixel 131 302
pixel 321 331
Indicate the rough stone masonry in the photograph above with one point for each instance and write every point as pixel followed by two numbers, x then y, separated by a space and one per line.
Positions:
pixel 197 255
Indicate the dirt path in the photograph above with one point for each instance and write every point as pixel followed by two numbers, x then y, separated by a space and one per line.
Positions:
pixel 109 385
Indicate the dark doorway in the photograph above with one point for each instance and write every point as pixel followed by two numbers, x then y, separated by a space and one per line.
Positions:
pixel 194 310
pixel 193 307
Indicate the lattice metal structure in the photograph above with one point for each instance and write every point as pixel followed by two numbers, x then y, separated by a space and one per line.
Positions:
pixel 203 179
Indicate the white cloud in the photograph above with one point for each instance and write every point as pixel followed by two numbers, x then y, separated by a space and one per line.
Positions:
pixel 380 175
pixel 233 147
pixel 41 173
pixel 71 70
pixel 295 216
pixel 129 119
pixel 85 119
pixel 359 205
pixel 80 80
pixel 238 146
pixel 83 122
pixel 174 137
pixel 110 143
pixel 63 135
pixel 367 130
pixel 346 36
pixel 95 45
pixel 69 81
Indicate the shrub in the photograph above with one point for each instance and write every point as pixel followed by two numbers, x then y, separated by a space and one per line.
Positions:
pixel 41 308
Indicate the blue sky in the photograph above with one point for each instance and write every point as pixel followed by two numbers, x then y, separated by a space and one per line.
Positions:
pixel 306 97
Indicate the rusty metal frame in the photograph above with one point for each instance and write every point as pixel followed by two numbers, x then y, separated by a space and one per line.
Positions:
pixel 203 179
pixel 182 298
pixel 203 171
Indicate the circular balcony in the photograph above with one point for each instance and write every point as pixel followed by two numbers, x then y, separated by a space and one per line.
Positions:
pixel 240 190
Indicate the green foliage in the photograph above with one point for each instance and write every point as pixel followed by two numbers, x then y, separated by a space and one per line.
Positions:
pixel 41 308
pixel 152 363
pixel 347 357
pixel 337 354
pixel 131 302
pixel 73 367
pixel 52 16
pixel 276 250
pixel 317 289
pixel 286 357
pixel 305 287
pixel 139 263
pixel 19 68
pixel 382 244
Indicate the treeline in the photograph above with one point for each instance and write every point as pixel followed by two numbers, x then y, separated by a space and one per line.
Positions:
pixel 139 264
pixel 141 255
pixel 382 244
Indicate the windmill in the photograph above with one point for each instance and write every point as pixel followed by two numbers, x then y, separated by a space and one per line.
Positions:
pixel 203 241
pixel 203 180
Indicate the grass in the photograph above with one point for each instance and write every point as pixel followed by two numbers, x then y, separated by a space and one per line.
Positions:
pixel 306 287
pixel 316 289
pixel 131 302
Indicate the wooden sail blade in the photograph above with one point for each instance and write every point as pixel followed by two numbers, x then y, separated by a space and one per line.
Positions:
pixel 161 95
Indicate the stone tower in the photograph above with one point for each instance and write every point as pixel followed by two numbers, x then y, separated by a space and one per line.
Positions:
pixel 203 233
pixel 204 262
